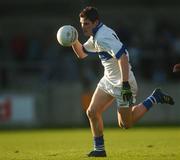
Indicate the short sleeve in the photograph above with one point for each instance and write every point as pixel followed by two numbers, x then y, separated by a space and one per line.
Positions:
pixel 88 46
pixel 112 45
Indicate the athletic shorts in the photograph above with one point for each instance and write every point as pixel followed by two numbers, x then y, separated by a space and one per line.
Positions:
pixel 115 91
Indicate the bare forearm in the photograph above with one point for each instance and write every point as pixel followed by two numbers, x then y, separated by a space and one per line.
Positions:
pixel 124 68
pixel 78 50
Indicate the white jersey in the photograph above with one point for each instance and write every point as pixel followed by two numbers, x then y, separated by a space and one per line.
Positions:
pixel 107 45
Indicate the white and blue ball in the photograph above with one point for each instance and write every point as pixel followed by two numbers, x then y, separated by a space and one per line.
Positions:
pixel 67 35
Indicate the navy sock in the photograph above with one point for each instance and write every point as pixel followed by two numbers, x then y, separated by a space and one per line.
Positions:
pixel 99 143
pixel 148 103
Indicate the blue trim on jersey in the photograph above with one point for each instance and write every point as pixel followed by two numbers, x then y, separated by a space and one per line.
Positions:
pixel 104 56
pixel 121 51
pixel 100 24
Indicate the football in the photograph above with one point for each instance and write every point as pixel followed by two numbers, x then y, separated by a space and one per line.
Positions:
pixel 67 35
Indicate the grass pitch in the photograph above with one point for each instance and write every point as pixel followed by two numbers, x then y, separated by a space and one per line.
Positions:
pixel 73 144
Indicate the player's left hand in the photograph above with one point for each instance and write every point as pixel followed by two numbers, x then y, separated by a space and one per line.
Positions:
pixel 176 68
pixel 126 92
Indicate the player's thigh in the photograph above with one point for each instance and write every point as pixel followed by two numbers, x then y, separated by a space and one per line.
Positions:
pixel 100 101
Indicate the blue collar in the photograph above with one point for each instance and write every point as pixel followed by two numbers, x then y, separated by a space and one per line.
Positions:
pixel 100 24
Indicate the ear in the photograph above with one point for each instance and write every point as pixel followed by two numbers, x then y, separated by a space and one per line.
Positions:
pixel 96 22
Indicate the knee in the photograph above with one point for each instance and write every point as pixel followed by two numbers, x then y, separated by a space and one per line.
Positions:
pixel 91 113
pixel 125 125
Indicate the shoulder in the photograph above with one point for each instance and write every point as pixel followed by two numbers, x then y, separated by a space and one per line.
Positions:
pixel 107 35
pixel 105 31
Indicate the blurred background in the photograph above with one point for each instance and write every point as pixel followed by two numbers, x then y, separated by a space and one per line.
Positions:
pixel 44 85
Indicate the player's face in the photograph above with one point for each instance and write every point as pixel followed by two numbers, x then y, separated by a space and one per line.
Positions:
pixel 87 26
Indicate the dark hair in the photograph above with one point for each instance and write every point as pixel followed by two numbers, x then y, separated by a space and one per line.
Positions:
pixel 90 13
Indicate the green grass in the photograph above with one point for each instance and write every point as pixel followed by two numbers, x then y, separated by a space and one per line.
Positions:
pixel 72 144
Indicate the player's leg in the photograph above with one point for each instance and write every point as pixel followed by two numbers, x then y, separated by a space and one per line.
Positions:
pixel 99 103
pixel 125 116
pixel 128 116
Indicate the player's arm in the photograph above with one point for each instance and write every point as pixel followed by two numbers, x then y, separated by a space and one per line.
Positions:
pixel 124 69
pixel 78 49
